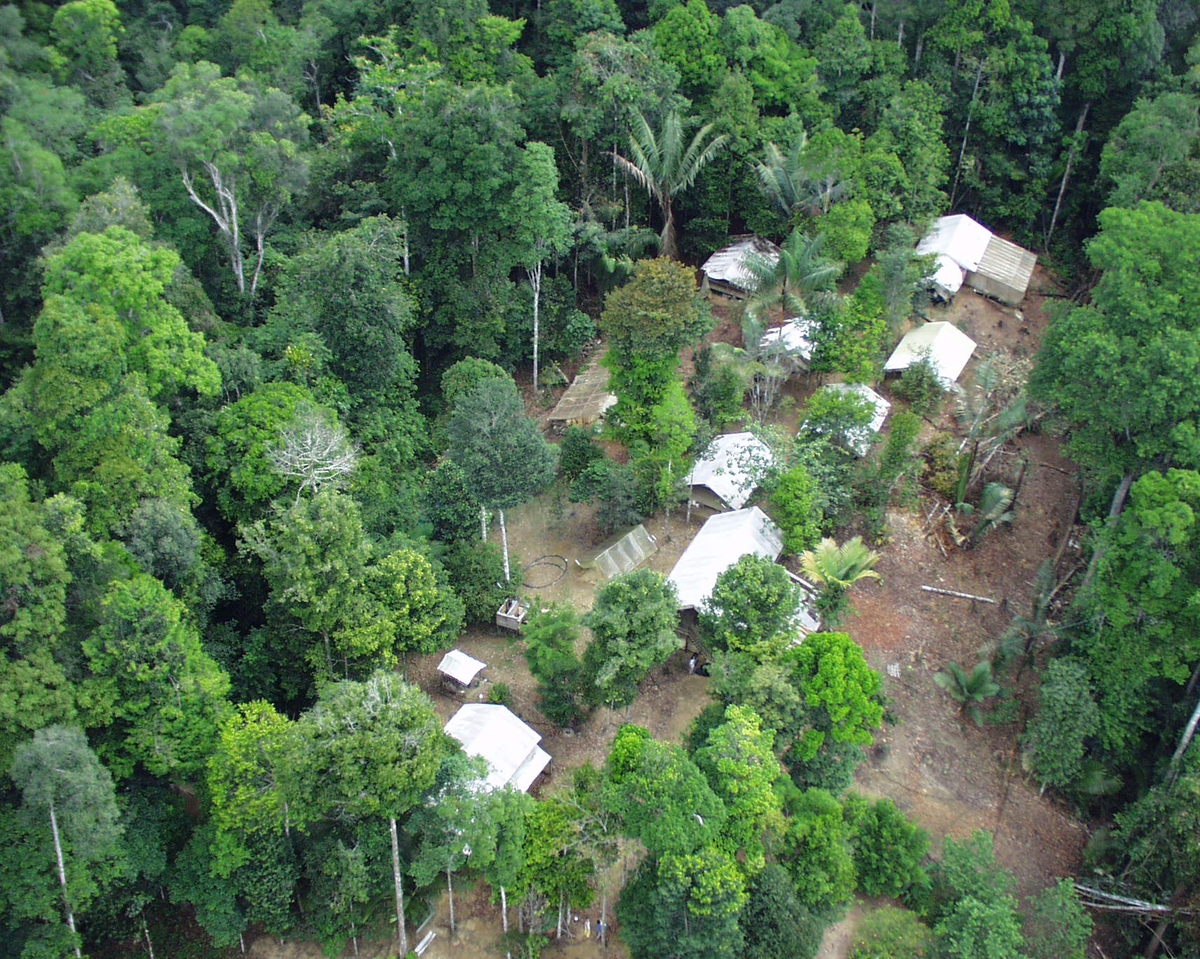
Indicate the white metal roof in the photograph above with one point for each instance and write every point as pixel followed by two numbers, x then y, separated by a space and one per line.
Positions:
pixel 732 467
pixel 960 238
pixel 460 667
pixel 793 337
pixel 948 277
pixel 949 349
pixel 722 541
pixel 507 745
pixel 860 438
pixel 729 264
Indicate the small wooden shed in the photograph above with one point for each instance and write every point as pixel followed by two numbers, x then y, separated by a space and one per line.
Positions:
pixel 459 671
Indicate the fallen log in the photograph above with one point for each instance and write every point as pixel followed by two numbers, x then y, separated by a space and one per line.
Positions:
pixel 958 595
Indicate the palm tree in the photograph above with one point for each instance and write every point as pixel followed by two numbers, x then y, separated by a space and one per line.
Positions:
pixel 969 689
pixel 993 509
pixel 831 565
pixel 661 163
pixel 799 280
pixel 835 569
pixel 798 183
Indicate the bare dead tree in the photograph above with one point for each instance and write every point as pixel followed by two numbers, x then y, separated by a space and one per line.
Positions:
pixel 315 451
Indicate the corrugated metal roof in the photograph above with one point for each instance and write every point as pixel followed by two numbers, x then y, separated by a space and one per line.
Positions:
pixel 587 398
pixel 722 541
pixel 949 349
pixel 507 745
pixel 1012 265
pixel 460 667
pixel 729 264
pixel 792 337
pixel 860 438
pixel 959 237
pixel 732 467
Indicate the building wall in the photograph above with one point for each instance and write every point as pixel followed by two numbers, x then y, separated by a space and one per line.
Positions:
pixel 991 286
pixel 707 499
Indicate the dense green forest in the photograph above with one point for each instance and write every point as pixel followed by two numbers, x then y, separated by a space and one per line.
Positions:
pixel 280 285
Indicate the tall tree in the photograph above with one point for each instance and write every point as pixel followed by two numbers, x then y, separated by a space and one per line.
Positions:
pixel 633 621
pixel 751 609
pixel 152 692
pixel 648 321
pixel 661 796
pixel 86 34
pixel 248 782
pixel 1150 152
pixel 662 163
pixel 247 143
pixel 35 577
pixel 454 825
pixel 503 455
pixel 541 225
pixel 1121 368
pixel 841 692
pixel 740 763
pixel 369 751
pixel 64 786
pixel 685 906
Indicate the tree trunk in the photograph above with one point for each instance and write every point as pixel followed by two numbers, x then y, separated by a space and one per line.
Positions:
pixel 873 5
pixel 399 887
pixel 603 915
pixel 1114 511
pixel 900 36
pixel 667 237
pixel 1188 732
pixel 146 933
pixel 962 150
pixel 670 489
pixel 450 892
pixel 62 879
pixel 404 216
pixel 1020 481
pixel 1062 186
pixel 483 523
pixel 504 920
pixel 558 927
pixel 535 281
pixel 504 544
pixel 260 246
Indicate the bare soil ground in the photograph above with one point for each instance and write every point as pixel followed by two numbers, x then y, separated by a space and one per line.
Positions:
pixel 949 775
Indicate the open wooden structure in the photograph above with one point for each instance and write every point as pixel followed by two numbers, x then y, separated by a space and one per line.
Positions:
pixel 511 614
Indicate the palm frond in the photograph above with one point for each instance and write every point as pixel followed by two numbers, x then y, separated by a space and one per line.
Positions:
pixel 697 156
pixel 634 171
